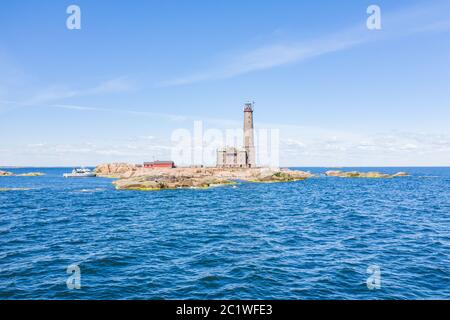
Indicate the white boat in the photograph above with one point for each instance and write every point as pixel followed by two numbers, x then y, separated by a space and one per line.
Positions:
pixel 80 173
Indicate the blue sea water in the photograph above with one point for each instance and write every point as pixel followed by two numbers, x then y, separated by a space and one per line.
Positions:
pixel 311 239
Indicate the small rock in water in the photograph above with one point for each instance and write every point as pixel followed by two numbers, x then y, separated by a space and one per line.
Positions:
pixel 31 174
pixel 356 174
pixel 14 189
pixel 401 174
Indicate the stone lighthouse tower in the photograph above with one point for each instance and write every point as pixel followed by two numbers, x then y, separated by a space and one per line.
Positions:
pixel 249 144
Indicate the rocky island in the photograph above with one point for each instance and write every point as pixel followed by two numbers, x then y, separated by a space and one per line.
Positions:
pixel 5 173
pixel 233 164
pixel 130 177
pixel 357 174
pixel 29 174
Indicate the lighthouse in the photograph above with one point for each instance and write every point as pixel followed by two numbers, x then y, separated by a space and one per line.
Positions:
pixel 233 157
pixel 249 143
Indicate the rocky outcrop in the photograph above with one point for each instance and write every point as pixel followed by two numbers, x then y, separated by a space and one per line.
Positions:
pixel 400 174
pixel 281 176
pixel 148 183
pixel 138 178
pixel 356 174
pixel 131 177
pixel 29 174
pixel 115 170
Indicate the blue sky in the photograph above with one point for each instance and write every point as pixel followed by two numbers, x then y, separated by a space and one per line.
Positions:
pixel 340 94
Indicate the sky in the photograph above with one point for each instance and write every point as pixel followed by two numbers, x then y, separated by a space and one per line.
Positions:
pixel 117 89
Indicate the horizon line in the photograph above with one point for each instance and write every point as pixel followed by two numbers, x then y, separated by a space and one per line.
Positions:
pixel 296 166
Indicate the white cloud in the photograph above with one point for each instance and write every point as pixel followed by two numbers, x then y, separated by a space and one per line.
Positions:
pixel 382 149
pixel 132 150
pixel 299 146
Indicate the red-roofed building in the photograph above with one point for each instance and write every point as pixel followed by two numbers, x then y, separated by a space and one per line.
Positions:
pixel 159 164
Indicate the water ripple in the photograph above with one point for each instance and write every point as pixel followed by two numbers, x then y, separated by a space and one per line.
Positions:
pixel 302 240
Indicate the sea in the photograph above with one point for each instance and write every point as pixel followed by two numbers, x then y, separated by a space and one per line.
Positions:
pixel 321 238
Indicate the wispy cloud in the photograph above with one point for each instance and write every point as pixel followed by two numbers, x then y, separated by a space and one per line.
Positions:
pixel 116 85
pixel 168 116
pixel 55 93
pixel 429 18
pixel 125 111
pixel 265 57
pixel 58 92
